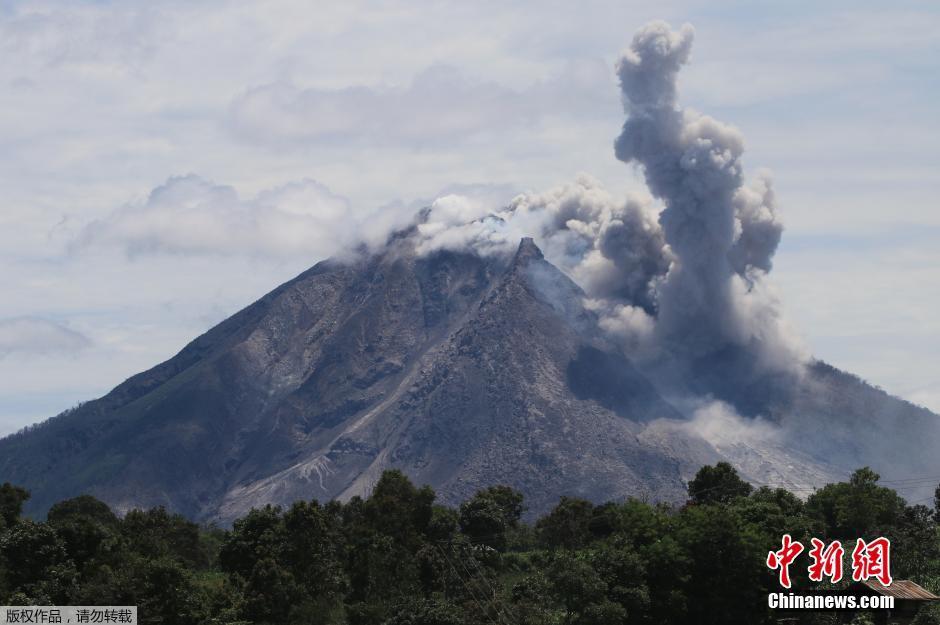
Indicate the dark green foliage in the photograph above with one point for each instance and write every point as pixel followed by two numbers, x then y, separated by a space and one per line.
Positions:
pixel 717 484
pixel 12 499
pixel 576 585
pixel 936 504
pixel 397 508
pixel 156 534
pixel 443 523
pixel 915 546
pixel 427 612
pixel 257 535
pixel 88 528
pixel 269 593
pixel 162 588
pixel 568 525
pixel 83 507
pixel 727 574
pixel 30 552
pixel 313 550
pixel 623 571
pixel 857 508
pixel 490 515
pixel 397 558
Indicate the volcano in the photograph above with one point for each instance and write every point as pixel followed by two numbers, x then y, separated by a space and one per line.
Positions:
pixel 463 371
pixel 644 343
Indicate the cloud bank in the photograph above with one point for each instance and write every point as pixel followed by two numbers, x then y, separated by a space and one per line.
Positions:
pixel 191 215
pixel 440 105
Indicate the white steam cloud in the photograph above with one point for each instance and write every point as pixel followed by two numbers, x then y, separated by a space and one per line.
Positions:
pixel 613 248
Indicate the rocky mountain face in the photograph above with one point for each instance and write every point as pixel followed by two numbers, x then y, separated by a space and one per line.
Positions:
pixel 464 372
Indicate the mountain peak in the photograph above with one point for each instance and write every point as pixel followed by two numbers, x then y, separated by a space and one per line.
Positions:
pixel 527 252
pixel 450 366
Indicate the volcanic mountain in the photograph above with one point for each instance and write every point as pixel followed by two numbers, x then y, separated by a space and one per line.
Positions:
pixel 462 370
pixel 650 345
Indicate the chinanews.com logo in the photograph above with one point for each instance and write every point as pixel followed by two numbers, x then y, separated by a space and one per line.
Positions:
pixel 871 560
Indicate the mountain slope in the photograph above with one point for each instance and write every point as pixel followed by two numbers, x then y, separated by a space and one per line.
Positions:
pixel 491 404
pixel 463 371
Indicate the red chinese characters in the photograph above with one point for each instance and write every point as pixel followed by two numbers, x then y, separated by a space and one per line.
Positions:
pixel 870 559
pixel 827 561
pixel 784 558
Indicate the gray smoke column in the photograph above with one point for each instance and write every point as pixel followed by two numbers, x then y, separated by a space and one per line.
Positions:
pixel 722 233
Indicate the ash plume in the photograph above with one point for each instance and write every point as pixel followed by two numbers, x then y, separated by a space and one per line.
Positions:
pixel 684 281
pixel 722 232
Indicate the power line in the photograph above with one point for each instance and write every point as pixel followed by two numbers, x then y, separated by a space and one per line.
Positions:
pixel 469 590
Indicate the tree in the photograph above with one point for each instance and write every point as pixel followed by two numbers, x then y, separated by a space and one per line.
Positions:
pixel 490 514
pixel 775 512
pixel 12 499
pixel 257 535
pixel 667 576
pixel 936 504
pixel 384 534
pixel 719 484
pixel 396 558
pixel 915 547
pixel 727 576
pixel 624 572
pixel 421 611
pixel 568 524
pixel 88 528
pixel 312 550
pixel 83 506
pixel 605 520
pixel 156 533
pixel 857 508
pixel 508 500
pixel 576 585
pixel 163 591
pixel 398 508
pixel 604 613
pixel 31 550
pixel 270 593
pixel 443 523
pixel 533 600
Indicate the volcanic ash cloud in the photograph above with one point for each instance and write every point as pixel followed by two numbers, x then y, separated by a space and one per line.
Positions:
pixel 687 282
pixel 722 232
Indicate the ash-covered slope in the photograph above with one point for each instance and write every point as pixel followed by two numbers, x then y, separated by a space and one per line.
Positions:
pixel 461 370
pixel 520 391
pixel 243 399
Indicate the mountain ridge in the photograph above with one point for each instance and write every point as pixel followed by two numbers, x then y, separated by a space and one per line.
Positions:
pixel 462 370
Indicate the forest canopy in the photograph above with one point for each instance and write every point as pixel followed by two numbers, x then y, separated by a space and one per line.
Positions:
pixel 399 558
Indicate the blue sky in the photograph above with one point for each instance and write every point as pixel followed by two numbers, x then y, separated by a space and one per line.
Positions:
pixel 165 163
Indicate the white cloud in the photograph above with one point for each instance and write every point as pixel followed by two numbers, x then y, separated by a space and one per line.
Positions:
pixel 190 215
pixel 33 335
pixel 440 105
